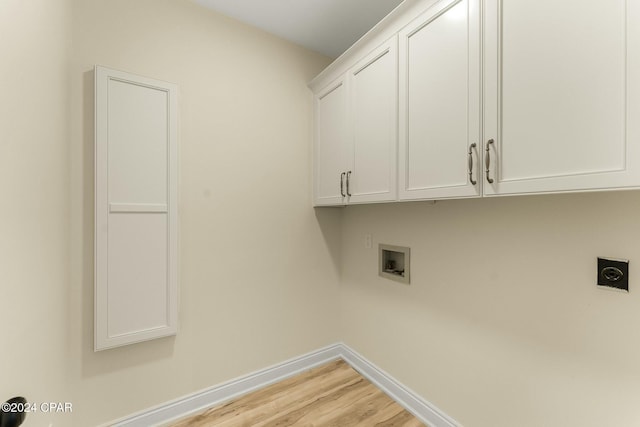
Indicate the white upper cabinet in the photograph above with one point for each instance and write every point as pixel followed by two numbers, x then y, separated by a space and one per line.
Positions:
pixel 331 139
pixel 482 98
pixel 562 95
pixel 439 83
pixel 374 98
pixel 356 132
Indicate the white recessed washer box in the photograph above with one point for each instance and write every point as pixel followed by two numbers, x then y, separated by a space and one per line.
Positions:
pixel 394 262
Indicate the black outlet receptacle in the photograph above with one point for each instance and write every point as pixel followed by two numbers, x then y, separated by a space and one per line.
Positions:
pixel 613 273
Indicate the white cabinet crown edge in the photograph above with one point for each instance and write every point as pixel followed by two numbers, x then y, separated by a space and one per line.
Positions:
pixel 387 28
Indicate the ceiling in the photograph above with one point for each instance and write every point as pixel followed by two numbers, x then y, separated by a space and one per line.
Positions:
pixel 325 26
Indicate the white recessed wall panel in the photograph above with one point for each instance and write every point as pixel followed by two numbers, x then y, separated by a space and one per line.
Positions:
pixel 582 69
pixel 137 272
pixel 136 209
pixel 138 138
pixel 437 101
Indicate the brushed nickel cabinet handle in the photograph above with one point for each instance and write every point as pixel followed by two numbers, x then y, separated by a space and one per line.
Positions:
pixel 471 180
pixel 342 184
pixel 348 179
pixel 487 160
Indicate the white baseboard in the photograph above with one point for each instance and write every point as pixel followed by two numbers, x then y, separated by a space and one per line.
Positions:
pixel 412 402
pixel 197 402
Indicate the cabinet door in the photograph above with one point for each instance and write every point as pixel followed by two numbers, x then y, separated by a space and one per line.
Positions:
pixel 373 101
pixel 440 102
pixel 331 140
pixel 136 202
pixel 562 95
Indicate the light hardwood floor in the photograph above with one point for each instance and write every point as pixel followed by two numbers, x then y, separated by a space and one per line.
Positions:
pixel 330 395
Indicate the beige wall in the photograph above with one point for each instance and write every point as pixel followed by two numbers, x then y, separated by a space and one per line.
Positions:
pixel 257 282
pixel 502 324
pixel 34 199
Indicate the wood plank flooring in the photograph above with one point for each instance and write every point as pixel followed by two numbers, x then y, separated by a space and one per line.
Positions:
pixel 332 395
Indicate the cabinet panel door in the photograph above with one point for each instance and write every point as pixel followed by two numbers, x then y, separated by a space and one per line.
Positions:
pixel 136 230
pixel 331 140
pixel 440 102
pixel 561 95
pixel 374 100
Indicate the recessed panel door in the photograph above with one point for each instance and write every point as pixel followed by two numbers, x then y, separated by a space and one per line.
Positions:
pixel 374 100
pixel 440 103
pixel 331 141
pixel 562 95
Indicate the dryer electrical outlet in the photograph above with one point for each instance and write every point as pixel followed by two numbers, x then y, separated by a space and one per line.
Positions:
pixel 613 273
